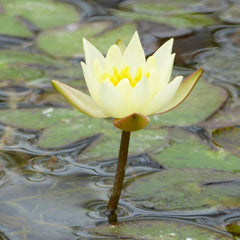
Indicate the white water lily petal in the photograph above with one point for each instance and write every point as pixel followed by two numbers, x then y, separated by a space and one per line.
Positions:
pixel 165 71
pixel 91 81
pixel 183 91
pixel 98 71
pixel 150 65
pixel 140 95
pixel 112 102
pixel 154 82
pixel 134 55
pixel 163 52
pixel 124 88
pixel 79 100
pixel 92 53
pixel 163 97
pixel 114 58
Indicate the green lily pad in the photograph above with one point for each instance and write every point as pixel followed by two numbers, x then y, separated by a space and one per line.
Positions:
pixel 107 146
pixel 17 57
pixel 178 21
pixel 187 189
pixel 155 230
pixel 202 103
pixel 18 73
pixel 223 118
pixel 12 26
pixel 187 150
pixel 67 42
pixel 218 65
pixel 228 138
pixel 175 13
pixel 59 126
pixel 42 13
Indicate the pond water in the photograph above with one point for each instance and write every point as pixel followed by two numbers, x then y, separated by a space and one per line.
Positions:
pixel 57 166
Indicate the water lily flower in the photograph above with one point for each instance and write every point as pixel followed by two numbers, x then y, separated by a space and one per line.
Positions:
pixel 128 87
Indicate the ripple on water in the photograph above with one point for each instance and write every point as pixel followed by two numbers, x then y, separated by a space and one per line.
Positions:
pixel 50 165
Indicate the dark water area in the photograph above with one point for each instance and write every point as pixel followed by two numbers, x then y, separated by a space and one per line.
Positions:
pixel 57 166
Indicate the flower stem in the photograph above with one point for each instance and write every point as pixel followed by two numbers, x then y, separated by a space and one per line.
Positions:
pixel 118 183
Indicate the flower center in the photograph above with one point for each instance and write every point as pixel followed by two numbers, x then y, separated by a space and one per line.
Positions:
pixel 117 76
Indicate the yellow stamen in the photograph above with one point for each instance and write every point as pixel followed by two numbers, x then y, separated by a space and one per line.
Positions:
pixel 117 76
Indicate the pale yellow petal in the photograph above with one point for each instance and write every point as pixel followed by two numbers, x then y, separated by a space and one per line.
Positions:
pixel 134 55
pixel 112 102
pixel 163 97
pixel 114 58
pixel 183 91
pixel 92 53
pixel 165 71
pixel 79 100
pixel 140 95
pixel 163 52
pixel 124 88
pixel 91 81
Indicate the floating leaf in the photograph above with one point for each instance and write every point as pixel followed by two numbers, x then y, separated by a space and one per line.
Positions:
pixel 187 150
pixel 13 27
pixel 228 138
pixel 155 230
pixel 67 42
pixel 179 189
pixel 55 13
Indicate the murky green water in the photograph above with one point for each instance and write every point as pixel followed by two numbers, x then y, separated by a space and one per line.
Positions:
pixel 57 166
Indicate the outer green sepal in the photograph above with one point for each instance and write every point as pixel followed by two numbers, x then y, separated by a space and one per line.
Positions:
pixel 131 123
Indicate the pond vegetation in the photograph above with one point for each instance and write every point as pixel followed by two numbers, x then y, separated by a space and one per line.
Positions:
pixel 57 166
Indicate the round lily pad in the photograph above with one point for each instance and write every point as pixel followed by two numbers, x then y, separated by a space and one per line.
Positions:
pixel 202 103
pixel 155 230
pixel 17 57
pixel 228 138
pixel 67 42
pixel 107 145
pixel 9 25
pixel 185 189
pixel 187 150
pixel 42 13
pixel 223 118
pixel 175 13
pixel 218 65
pixel 18 73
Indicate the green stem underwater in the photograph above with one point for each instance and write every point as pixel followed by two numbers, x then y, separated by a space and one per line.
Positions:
pixel 118 183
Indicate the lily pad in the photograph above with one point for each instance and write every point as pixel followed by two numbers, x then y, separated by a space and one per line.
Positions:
pixel 155 230
pixel 175 14
pixel 12 26
pixel 185 189
pixel 18 73
pixel 228 138
pixel 107 146
pixel 55 13
pixel 202 103
pixel 67 42
pixel 17 57
pixel 187 150
pixel 59 126
pixel 223 118
pixel 218 65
